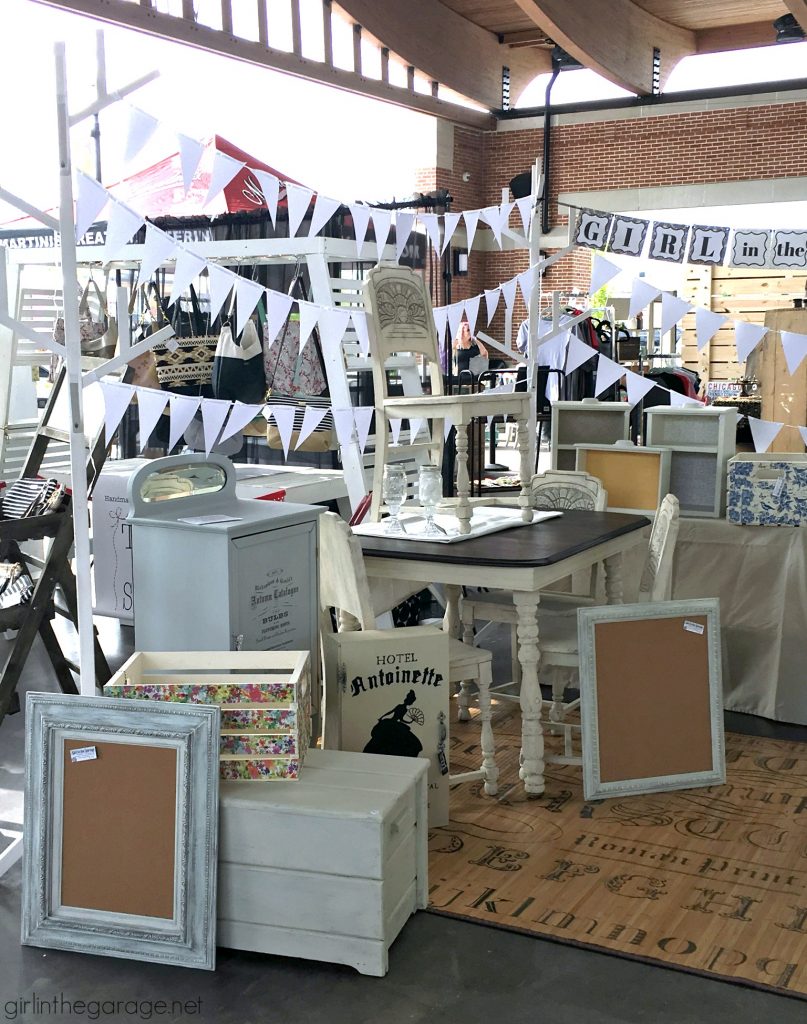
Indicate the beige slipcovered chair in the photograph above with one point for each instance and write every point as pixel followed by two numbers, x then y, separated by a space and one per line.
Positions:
pixel 344 587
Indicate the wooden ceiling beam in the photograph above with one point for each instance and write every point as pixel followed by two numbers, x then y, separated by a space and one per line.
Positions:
pixel 735 37
pixel 798 8
pixel 447 47
pixel 613 37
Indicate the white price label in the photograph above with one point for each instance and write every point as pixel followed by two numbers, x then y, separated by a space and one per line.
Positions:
pixel 779 486
pixel 83 754
pixel 693 627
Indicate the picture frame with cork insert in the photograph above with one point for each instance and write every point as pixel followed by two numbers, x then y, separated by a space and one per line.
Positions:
pixel 651 697
pixel 121 828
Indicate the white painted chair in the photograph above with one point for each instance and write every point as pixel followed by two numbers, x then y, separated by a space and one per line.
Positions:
pixel 344 586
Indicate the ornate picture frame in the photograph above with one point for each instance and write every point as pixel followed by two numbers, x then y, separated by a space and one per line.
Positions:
pixel 121 828
pixel 651 697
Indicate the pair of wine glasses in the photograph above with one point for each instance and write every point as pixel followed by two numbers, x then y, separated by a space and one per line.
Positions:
pixel 430 494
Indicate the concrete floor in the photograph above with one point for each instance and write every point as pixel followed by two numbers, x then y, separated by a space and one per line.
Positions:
pixel 440 969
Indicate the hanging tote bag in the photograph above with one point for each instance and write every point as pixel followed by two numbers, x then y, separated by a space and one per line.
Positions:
pixel 185 365
pixel 238 374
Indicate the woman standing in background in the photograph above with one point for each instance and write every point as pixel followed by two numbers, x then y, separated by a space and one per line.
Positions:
pixel 467 348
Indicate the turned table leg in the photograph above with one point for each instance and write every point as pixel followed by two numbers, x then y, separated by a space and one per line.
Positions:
pixel 525 470
pixel 529 655
pixel 463 481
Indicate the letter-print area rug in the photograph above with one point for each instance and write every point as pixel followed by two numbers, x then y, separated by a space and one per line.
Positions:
pixel 712 880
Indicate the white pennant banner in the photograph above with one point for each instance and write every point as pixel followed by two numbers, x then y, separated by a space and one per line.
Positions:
pixel 577 353
pixel 116 401
pixel 504 215
pixel 183 409
pixel 122 225
pixel 361 219
pixel 492 296
pixel 525 208
pixel 673 309
pixel 471 218
pixel 298 199
pixel 359 319
pixel 188 267
pixel 450 221
pixel 283 416
pixel 141 127
pixel 763 432
pixel 440 322
pixel 270 186
pixel 795 349
pixel 224 170
pixel 158 248
pixel 746 338
pixel 492 215
pixel 324 209
pixel 278 307
pixel 676 398
pixel 602 271
pixel 431 223
pixel 214 413
pixel 90 200
pixel 362 416
pixel 608 373
pixel 151 404
pixel 415 428
pixel 343 424
pixel 707 324
pixel 509 292
pixel 382 221
pixel 247 296
pixel 309 315
pixel 220 282
pixel 190 156
pixel 403 229
pixel 526 283
pixel 638 386
pixel 448 426
pixel 240 416
pixel 312 417
pixel 472 312
pixel 395 427
pixel 455 311
pixel 642 294
pixel 332 326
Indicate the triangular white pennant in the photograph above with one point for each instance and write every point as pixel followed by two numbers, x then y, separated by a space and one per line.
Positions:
pixel 284 418
pixel 492 296
pixel 492 215
pixel 183 409
pixel 247 296
pixel 190 155
pixel 359 319
pixel 312 417
pixel 795 349
pixel 343 424
pixel 270 186
pixel 324 209
pixel 526 283
pixel 763 432
pixel 638 386
pixel 676 398
pixel 440 321
pixel 361 219
pixel 471 218
pixel 151 403
pixel 395 427
pixel 298 198
pixel 141 127
pixel 158 248
pixel 747 337
pixel 382 220
pixel 509 291
pixel 673 309
pixel 362 416
pixel 577 353
pixel 454 312
pixel 450 221
pixel 504 215
pixel 309 315
pixel 240 416
pixel 608 373
pixel 448 426
pixel 707 324
pixel 332 326
pixel 91 198
pixel 602 271
pixel 278 307
pixel 415 427
pixel 224 170
pixel 472 312
pixel 122 224
pixel 525 208
pixel 642 294
pixel 803 432
pixel 188 267
pixel 431 222
pixel 220 283
pixel 116 401
pixel 403 229
pixel 214 413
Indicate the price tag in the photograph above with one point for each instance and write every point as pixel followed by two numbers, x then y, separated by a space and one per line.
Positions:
pixel 693 627
pixel 83 754
pixel 779 486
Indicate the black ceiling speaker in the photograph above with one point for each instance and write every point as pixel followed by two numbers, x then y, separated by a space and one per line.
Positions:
pixel 521 185
pixel 788 29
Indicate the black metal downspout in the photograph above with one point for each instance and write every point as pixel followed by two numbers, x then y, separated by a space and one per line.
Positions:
pixel 547 149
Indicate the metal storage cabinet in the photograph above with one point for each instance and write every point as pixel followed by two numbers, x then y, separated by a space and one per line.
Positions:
pixel 238 569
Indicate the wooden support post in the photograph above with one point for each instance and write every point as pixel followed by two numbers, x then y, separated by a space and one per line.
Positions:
pixel 410 78
pixel 357 49
pixel 327 30
pixel 385 64
pixel 296 29
pixel 227 16
pixel 435 89
pixel 263 23
pixel 188 11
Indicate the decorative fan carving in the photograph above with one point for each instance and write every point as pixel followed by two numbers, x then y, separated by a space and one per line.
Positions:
pixel 400 304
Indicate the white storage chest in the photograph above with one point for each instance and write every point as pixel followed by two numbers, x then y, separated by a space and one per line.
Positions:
pixel 586 422
pixel 330 868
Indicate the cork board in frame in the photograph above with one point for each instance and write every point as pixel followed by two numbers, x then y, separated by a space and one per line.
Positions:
pixel 635 479
pixel 121 848
pixel 651 697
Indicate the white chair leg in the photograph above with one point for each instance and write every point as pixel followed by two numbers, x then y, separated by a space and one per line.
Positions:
pixel 515 664
pixel 556 712
pixel 464 699
pixel 487 743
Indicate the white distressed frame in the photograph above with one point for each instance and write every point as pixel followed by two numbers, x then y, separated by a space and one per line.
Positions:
pixel 189 938
pixel 587 619
pixel 620 446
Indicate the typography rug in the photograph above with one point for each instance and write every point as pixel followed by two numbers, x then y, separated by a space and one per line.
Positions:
pixel 710 880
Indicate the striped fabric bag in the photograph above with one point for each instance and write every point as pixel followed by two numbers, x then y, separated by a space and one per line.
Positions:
pixel 29 496
pixel 16 585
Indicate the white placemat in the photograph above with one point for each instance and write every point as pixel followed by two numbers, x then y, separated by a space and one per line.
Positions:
pixel 485 519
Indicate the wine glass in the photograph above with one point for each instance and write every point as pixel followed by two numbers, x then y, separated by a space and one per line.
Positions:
pixel 430 493
pixel 394 493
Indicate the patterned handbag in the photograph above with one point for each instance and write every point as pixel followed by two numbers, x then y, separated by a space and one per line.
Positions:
pixel 16 585
pixel 30 496
pixel 185 364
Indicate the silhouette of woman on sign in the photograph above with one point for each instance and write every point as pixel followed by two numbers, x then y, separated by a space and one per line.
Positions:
pixel 391 733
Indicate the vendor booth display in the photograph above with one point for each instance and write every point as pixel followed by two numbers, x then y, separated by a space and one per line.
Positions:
pixel 265 701
pixel 635 479
pixel 767 489
pixel 586 422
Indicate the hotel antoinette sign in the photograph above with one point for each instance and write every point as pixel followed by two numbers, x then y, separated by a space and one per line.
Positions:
pixel 703 244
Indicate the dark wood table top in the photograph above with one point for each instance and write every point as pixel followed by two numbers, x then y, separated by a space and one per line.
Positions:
pixel 523 546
